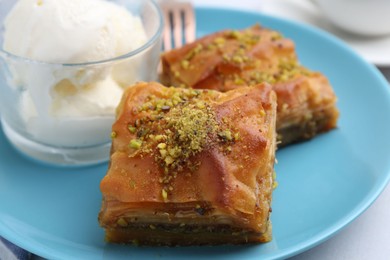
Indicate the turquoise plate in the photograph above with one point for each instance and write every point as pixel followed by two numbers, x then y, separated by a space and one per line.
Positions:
pixel 324 184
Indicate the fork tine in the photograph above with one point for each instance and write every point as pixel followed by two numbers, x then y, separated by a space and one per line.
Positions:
pixel 167 35
pixel 189 23
pixel 177 26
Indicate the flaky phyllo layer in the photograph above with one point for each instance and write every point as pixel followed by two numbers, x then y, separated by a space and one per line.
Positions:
pixel 191 166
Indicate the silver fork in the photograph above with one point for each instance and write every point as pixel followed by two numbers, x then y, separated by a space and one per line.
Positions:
pixel 179 23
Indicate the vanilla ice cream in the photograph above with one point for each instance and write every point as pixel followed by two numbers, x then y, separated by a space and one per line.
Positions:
pixel 71 31
pixel 74 104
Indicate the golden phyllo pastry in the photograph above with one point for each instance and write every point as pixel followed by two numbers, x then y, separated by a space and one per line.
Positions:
pixel 232 59
pixel 190 167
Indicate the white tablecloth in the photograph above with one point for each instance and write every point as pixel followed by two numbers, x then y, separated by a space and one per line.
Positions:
pixel 368 237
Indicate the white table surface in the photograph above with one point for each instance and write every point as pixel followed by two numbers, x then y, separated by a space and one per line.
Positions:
pixel 368 237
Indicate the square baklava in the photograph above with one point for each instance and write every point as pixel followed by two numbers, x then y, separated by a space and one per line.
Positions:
pixel 232 59
pixel 191 167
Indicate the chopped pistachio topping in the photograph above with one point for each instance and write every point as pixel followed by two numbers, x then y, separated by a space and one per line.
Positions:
pixel 132 129
pixel 162 145
pixel 176 127
pixel 239 81
pixel 135 144
pixel 164 194
pixel 200 104
pixel 219 40
pixel 176 73
pixel 238 59
pixel 226 57
pixel 286 70
pixel 113 134
pixel 243 41
pixel 198 48
pixel 159 137
pixel 276 36
pixel 185 64
pixel 234 34
pixel 262 112
pixel 226 135
pixel 245 37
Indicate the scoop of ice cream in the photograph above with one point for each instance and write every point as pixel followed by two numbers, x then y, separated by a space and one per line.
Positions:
pixel 71 31
pixel 99 99
pixel 63 100
pixel 68 32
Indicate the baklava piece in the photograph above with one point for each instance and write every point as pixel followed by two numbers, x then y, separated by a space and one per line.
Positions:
pixel 191 167
pixel 231 59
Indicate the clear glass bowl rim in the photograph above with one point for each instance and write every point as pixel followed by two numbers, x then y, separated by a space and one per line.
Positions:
pixel 152 40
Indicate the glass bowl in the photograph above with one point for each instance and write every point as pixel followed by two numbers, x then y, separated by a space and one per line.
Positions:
pixel 61 113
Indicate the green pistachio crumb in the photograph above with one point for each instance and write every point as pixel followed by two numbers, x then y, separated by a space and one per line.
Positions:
pixel 185 64
pixel 164 194
pixel 135 143
pixel 132 129
pixel 162 145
